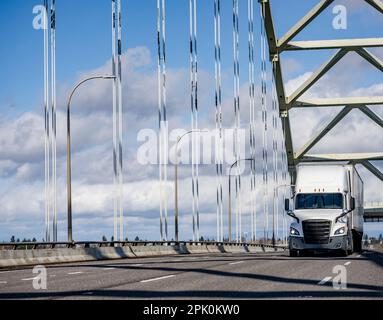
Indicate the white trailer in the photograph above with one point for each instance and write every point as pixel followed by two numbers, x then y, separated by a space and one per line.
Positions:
pixel 328 209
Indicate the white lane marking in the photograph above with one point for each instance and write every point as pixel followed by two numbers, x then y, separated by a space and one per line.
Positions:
pixel 347 263
pixel 74 273
pixel 28 279
pixel 157 279
pixel 111 268
pixel 136 265
pixel 3 282
pixel 324 280
pixel 1 272
pixel 238 262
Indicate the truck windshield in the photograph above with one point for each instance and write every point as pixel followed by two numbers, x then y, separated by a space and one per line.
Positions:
pixel 319 201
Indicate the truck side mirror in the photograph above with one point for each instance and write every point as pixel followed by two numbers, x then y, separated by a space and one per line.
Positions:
pixel 352 204
pixel 287 204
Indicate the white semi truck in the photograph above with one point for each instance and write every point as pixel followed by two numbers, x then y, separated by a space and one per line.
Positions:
pixel 327 211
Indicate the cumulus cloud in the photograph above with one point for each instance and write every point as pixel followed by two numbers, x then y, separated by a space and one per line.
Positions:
pixel 22 145
pixel 22 138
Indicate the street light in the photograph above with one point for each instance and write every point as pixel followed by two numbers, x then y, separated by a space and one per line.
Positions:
pixel 231 167
pixel 69 156
pixel 176 184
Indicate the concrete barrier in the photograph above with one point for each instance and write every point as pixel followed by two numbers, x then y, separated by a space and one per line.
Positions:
pixel 19 258
pixel 253 249
pixel 235 249
pixel 14 258
pixel 196 249
pixel 215 248
pixel 151 251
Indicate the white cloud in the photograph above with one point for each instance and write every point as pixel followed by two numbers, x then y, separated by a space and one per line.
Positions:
pixel 22 145
pixel 22 138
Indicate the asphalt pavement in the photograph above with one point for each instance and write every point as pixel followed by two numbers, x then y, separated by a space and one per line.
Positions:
pixel 219 276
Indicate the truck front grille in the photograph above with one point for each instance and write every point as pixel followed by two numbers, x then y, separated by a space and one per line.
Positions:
pixel 316 231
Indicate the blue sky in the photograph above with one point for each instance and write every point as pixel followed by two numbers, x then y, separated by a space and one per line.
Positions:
pixel 83 37
pixel 84 44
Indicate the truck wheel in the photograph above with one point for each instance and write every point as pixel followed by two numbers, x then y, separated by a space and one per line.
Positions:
pixel 293 253
pixel 350 245
pixel 357 239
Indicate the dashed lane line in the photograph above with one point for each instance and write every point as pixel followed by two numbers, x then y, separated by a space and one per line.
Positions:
pixel 28 279
pixel 324 280
pixel 237 262
pixel 75 273
pixel 158 279
pixel 347 263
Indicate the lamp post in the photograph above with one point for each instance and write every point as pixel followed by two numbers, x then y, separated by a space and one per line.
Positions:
pixel 69 155
pixel 176 215
pixel 230 214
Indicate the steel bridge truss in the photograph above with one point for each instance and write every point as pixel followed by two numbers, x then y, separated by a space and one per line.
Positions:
pixel 287 103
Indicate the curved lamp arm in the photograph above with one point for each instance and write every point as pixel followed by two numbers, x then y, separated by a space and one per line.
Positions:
pixel 69 160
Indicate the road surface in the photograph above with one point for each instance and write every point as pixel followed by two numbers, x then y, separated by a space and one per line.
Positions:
pixel 225 276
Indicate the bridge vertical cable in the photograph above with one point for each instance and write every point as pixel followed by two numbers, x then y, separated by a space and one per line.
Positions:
pixel 50 158
pixel 252 118
pixel 120 122
pixel 47 159
pixel 218 117
pixel 115 126
pixel 163 138
pixel 194 115
pixel 53 120
pixel 265 126
pixel 237 118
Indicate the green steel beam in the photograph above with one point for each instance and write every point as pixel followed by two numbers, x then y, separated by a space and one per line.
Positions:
pixel 377 4
pixel 336 102
pixel 372 115
pixel 374 170
pixel 349 44
pixel 304 22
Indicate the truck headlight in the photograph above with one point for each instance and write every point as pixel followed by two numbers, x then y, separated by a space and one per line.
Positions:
pixel 294 232
pixel 340 231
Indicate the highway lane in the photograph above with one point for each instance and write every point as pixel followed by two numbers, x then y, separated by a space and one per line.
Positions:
pixel 220 276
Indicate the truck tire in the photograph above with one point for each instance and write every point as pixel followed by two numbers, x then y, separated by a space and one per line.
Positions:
pixel 350 245
pixel 293 253
pixel 357 239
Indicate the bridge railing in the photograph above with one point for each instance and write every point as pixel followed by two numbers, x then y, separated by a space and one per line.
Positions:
pixel 100 244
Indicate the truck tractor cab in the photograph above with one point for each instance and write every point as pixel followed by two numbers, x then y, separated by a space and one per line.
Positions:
pixel 327 210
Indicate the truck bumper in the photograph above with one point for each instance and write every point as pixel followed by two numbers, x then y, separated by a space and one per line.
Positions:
pixel 335 243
